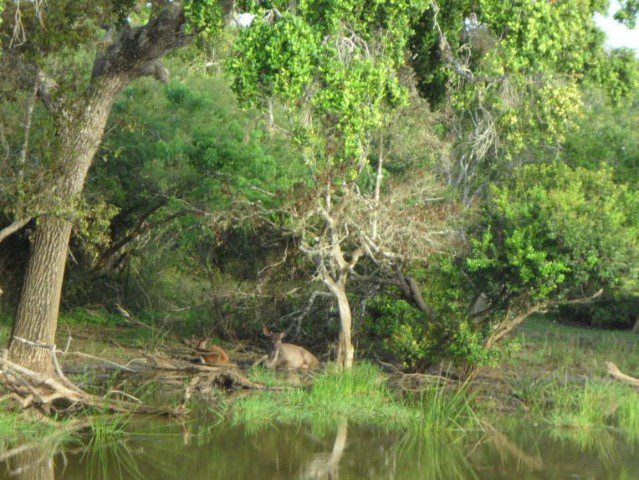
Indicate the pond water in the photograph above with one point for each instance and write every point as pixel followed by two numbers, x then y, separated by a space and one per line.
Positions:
pixel 205 450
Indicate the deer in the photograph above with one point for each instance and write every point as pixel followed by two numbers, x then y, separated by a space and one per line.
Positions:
pixel 211 355
pixel 286 355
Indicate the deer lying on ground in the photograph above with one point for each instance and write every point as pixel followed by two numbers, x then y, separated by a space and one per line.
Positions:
pixel 212 355
pixel 286 355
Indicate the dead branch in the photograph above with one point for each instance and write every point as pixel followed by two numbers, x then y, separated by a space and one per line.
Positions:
pixel 614 371
pixel 188 391
pixel 226 376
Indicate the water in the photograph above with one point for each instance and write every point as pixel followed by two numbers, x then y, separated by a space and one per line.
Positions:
pixel 203 450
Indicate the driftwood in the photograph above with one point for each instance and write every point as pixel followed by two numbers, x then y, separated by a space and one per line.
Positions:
pixel 614 371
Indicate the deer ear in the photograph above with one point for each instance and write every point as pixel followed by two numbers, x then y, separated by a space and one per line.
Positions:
pixel 267 331
pixel 279 336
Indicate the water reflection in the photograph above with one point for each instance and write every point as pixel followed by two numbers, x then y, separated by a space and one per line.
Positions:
pixel 206 449
pixel 32 464
pixel 326 465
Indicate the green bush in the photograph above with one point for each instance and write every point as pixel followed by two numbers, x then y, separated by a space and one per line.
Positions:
pixel 401 331
pixel 409 336
pixel 554 232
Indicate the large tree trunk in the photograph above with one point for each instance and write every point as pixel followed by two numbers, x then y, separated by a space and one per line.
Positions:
pixel 126 53
pixel 79 137
pixel 345 349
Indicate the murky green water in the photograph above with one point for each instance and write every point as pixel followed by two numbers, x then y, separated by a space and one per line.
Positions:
pixel 163 450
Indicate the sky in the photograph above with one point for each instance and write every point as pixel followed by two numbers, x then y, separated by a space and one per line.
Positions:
pixel 618 35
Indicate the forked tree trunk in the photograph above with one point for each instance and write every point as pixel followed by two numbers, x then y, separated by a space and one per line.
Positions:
pixel 79 137
pixel 345 349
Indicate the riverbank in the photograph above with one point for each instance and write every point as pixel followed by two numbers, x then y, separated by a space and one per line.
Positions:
pixel 553 374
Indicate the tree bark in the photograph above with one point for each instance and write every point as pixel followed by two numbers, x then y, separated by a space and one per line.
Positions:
pixel 36 318
pixel 13 228
pixel 80 124
pixel 345 349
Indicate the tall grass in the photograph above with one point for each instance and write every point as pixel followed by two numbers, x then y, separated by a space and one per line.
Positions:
pixel 446 408
pixel 585 408
pixel 627 415
pixel 360 396
pixel 108 454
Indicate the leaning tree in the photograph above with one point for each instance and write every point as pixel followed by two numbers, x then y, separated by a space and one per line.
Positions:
pixel 47 48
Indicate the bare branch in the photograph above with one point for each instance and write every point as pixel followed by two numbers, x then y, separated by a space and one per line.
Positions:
pixel 614 371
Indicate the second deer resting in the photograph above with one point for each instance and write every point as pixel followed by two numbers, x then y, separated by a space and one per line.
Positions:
pixel 286 355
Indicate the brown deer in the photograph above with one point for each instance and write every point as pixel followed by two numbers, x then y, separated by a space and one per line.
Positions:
pixel 212 355
pixel 287 355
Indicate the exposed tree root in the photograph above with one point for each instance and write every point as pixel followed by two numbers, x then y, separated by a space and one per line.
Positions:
pixel 54 394
pixel 614 371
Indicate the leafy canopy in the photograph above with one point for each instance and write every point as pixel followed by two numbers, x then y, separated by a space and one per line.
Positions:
pixel 333 62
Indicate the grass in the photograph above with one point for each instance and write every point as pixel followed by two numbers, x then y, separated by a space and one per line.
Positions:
pixel 556 380
pixel 559 377
pixel 108 454
pixel 549 345
pixel 360 396
pixel 17 427
pixel 86 316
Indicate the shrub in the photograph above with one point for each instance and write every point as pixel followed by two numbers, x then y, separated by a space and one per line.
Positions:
pixel 552 233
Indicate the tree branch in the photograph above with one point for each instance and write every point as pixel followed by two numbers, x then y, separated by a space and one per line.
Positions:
pixel 136 51
pixel 13 228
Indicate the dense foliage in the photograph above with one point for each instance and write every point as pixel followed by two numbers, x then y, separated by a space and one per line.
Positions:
pixel 484 153
pixel 554 232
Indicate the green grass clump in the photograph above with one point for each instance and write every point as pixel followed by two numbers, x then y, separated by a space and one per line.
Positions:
pixel 627 414
pixel 585 408
pixel 108 454
pixel 360 396
pixel 263 376
pixel 446 408
pixel 18 427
